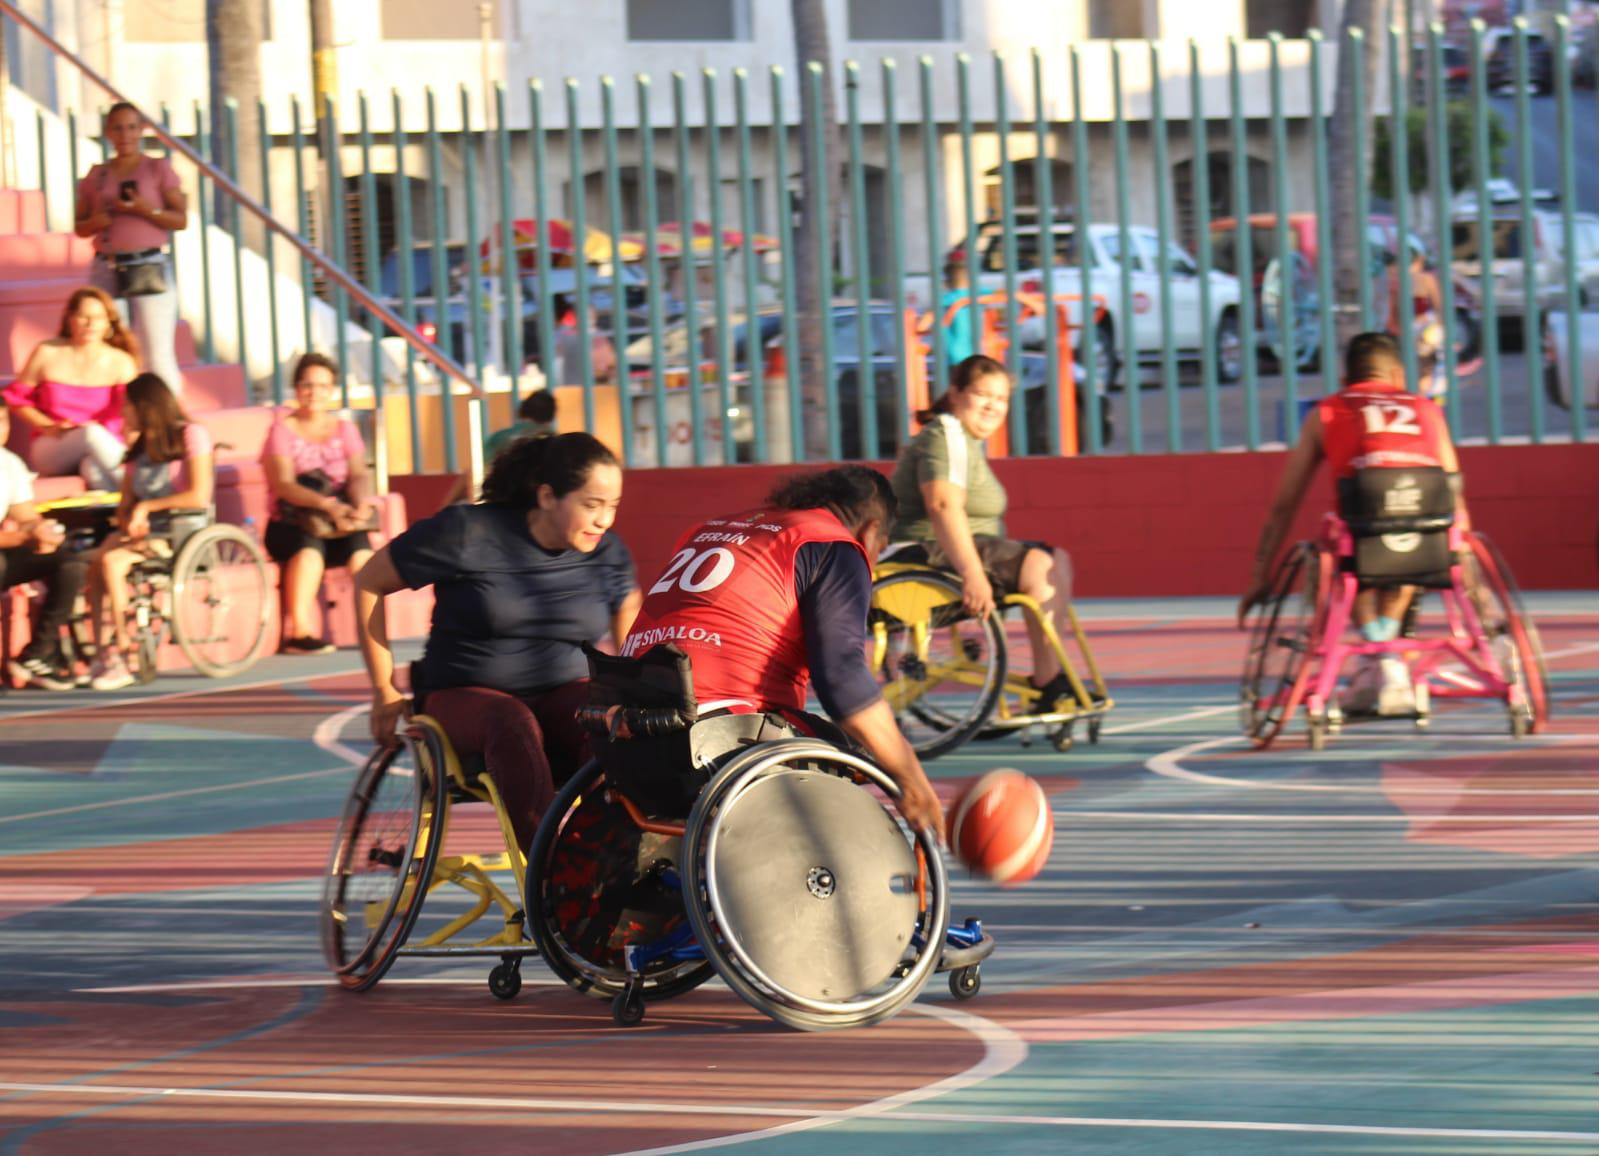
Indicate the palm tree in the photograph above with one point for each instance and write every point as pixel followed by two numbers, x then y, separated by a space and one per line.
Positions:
pixel 813 281
pixel 1344 136
pixel 233 31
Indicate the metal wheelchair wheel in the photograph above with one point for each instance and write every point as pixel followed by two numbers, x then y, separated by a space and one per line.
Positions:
pixel 595 886
pixel 1510 629
pixel 1277 666
pixel 220 602
pixel 944 696
pixel 817 905
pixel 382 862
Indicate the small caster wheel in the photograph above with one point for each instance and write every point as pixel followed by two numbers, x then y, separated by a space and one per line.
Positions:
pixel 1423 722
pixel 965 982
pixel 1062 739
pixel 505 980
pixel 627 1008
pixel 1318 734
pixel 1093 729
pixel 1520 722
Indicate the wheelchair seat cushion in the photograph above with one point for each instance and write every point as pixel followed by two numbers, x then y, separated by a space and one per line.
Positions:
pixel 1400 520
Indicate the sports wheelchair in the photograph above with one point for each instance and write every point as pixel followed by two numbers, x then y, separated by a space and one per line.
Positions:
pixel 206 585
pixel 1395 527
pixel 945 672
pixel 735 846
pixel 387 858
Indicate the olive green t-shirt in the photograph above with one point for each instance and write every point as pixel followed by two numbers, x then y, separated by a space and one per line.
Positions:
pixel 944 452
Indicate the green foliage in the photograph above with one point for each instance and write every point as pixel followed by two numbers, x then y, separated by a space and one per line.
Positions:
pixel 1458 129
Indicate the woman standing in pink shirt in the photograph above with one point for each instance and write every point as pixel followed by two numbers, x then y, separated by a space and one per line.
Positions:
pixel 131 204
pixel 70 392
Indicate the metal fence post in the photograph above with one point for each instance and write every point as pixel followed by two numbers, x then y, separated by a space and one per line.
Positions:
pixel 1044 185
pixel 333 152
pixel 1485 232
pixel 1325 292
pixel 785 243
pixel 202 141
pixel 818 199
pixel 1531 320
pixel 541 232
pixel 230 115
pixel 1568 239
pixel 682 139
pixel 1244 247
pixel 724 329
pixel 1438 158
pixel 1357 102
pixel 652 257
pixel 1132 375
pixel 578 185
pixel 1286 305
pixel 1163 240
pixel 1199 133
pixel 1399 166
pixel 619 309
pixel 510 259
pixel 441 283
pixel 369 250
pixel 1007 202
pixel 894 222
pixel 1088 332
pixel 303 219
pixel 933 182
pixel 963 96
pixel 404 249
pixel 265 138
pixel 754 356
pixel 471 285
pixel 865 375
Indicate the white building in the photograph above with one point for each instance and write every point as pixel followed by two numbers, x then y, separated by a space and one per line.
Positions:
pixel 154 50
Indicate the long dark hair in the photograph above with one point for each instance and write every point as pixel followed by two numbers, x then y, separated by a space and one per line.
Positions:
pixel 962 377
pixel 854 493
pixel 562 462
pixel 161 420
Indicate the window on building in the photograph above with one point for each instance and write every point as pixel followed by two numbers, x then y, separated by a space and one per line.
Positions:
pixel 688 19
pixel 904 20
pixel 431 20
pixel 175 21
pixel 1293 18
pixel 1116 20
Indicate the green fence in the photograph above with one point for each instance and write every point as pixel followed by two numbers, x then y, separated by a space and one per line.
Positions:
pixel 696 294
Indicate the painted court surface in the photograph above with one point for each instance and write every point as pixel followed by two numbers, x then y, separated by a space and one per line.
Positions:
pixel 1390 946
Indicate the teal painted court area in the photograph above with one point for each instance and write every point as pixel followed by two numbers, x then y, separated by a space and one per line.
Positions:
pixel 1389 946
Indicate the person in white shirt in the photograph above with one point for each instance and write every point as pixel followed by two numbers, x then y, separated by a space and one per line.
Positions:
pixel 30 552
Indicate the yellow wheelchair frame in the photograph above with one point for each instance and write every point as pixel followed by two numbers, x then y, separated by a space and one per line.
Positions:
pixel 916 601
pixel 412 873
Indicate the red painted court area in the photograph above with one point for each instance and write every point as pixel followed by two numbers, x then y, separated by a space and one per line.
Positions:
pixel 1390 945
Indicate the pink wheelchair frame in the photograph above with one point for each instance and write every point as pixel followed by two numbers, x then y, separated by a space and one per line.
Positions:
pixel 1302 639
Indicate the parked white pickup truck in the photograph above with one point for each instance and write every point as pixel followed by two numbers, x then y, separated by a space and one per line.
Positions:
pixel 1104 280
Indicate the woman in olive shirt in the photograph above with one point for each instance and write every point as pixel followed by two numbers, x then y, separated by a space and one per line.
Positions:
pixel 952 514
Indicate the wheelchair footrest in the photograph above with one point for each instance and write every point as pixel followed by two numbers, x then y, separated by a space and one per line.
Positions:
pixel 964 946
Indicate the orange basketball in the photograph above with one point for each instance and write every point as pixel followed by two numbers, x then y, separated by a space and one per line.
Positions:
pixel 1001 827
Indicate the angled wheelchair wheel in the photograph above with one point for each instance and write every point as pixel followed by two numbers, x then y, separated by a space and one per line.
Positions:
pixel 1280 644
pixel 220 601
pixel 382 862
pixel 941 670
pixel 597 885
pixel 1510 629
pixel 817 905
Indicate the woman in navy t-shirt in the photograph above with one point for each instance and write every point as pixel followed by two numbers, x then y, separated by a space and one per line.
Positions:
pixel 520 581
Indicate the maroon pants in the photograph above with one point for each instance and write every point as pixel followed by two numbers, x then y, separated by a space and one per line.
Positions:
pixel 530 745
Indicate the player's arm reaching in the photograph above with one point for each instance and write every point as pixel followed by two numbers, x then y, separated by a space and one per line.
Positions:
pixel 1297 475
pixel 835 592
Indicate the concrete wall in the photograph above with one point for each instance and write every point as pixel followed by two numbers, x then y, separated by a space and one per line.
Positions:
pixel 1185 524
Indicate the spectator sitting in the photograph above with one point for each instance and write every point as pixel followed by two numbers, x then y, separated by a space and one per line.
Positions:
pixel 535 418
pixel 70 392
pixel 169 469
pixel 29 553
pixel 316 468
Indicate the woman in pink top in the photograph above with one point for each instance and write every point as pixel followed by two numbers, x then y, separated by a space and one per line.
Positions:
pixel 166 493
pixel 314 460
pixel 69 394
pixel 131 204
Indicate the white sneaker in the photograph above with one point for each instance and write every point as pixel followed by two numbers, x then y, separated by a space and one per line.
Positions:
pixel 1397 695
pixel 110 672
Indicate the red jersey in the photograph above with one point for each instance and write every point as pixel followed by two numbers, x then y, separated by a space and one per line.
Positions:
pixel 727 600
pixel 1374 425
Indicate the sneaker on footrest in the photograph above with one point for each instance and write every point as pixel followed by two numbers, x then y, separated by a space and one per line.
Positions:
pixel 1397 696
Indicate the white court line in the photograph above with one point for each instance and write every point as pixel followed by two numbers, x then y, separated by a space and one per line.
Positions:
pixel 1168 720
pixel 1003 1051
pixel 253 984
pixel 326 737
pixel 222 687
pixel 1168 764
pixel 778 1111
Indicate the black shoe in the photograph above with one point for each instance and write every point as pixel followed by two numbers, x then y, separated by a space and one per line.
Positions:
pixel 41 672
pixel 307 645
pixel 1051 693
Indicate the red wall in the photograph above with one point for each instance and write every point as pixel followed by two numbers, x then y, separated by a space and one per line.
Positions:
pixel 1184 523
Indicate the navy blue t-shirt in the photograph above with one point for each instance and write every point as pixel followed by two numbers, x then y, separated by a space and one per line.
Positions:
pixel 507 613
pixel 834 587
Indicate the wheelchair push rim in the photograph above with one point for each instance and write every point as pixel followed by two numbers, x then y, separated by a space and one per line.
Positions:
pixel 941 670
pixel 220 603
pixel 389 838
pixel 1510 628
pixel 661 980
pixel 714 867
pixel 1277 666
